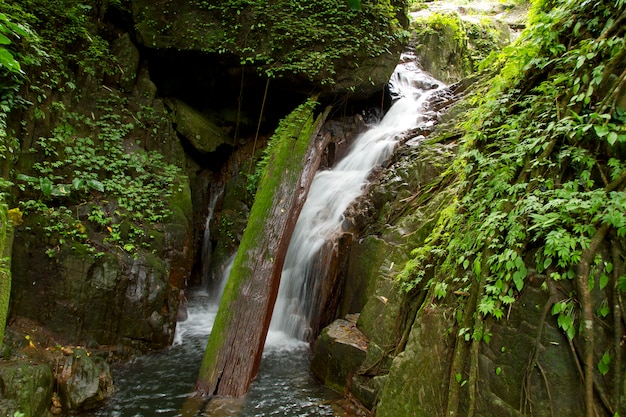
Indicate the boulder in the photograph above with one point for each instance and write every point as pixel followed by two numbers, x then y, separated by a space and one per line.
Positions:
pixel 338 353
pixel 84 381
pixel 25 387
pixel 200 132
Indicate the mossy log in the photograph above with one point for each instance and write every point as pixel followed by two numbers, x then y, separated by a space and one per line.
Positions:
pixel 235 346
pixel 7 219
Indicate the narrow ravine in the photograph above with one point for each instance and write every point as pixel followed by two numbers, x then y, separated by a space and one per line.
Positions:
pixel 161 384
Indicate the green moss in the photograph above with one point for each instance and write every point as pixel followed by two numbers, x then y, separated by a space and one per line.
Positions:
pixel 442 43
pixel 6 241
pixel 282 164
pixel 280 37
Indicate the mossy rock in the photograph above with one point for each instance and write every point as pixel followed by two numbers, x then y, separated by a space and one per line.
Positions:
pixel 441 46
pixel 418 380
pixel 85 381
pixel 450 45
pixel 322 44
pixel 25 387
pixel 199 131
pixel 338 352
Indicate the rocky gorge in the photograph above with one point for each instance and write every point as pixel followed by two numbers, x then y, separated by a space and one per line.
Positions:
pixel 143 116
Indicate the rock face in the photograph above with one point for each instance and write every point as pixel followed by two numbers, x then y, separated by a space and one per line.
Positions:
pixel 446 354
pixel 322 44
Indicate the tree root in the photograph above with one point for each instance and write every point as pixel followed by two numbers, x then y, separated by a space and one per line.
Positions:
pixel 545 381
pixel 582 283
pixel 534 355
pixel 618 331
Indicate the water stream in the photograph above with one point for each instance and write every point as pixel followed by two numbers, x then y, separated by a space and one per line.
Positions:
pixel 160 384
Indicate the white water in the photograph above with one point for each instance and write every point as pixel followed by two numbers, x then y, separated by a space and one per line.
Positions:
pixel 206 240
pixel 160 384
pixel 333 190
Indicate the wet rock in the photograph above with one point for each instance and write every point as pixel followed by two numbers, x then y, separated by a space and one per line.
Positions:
pixel 337 354
pixel 25 387
pixel 84 381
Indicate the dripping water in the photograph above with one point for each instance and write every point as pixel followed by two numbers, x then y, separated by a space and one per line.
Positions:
pixel 207 247
pixel 333 190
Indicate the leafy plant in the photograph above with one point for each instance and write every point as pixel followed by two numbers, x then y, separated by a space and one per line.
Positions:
pixel 125 190
pixel 310 38
pixel 541 180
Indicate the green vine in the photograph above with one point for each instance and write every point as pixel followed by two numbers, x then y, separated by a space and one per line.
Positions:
pixel 541 179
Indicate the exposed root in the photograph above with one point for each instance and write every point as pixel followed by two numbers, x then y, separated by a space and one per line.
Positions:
pixel 545 381
pixel 525 395
pixel 582 284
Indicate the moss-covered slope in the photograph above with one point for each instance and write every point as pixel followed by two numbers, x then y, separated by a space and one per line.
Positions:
pixel 523 272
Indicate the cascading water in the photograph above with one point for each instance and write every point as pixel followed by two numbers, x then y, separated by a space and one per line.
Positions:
pixel 207 247
pixel 333 190
pixel 160 384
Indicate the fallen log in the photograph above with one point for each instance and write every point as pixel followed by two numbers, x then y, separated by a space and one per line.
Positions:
pixel 235 346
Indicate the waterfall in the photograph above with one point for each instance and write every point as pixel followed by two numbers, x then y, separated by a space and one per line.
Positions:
pixel 333 190
pixel 207 247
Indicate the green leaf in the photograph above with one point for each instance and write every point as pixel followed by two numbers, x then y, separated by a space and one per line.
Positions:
pixel 7 60
pixel 77 183
pixel 604 364
pixel 27 178
pixel 4 40
pixel 61 190
pixel 96 185
pixel 603 310
pixel 546 263
pixel 46 186
pixel 601 130
pixel 354 4
pixel 477 267
pixel 604 280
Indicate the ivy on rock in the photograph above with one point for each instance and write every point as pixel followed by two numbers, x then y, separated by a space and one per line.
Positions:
pixel 541 186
